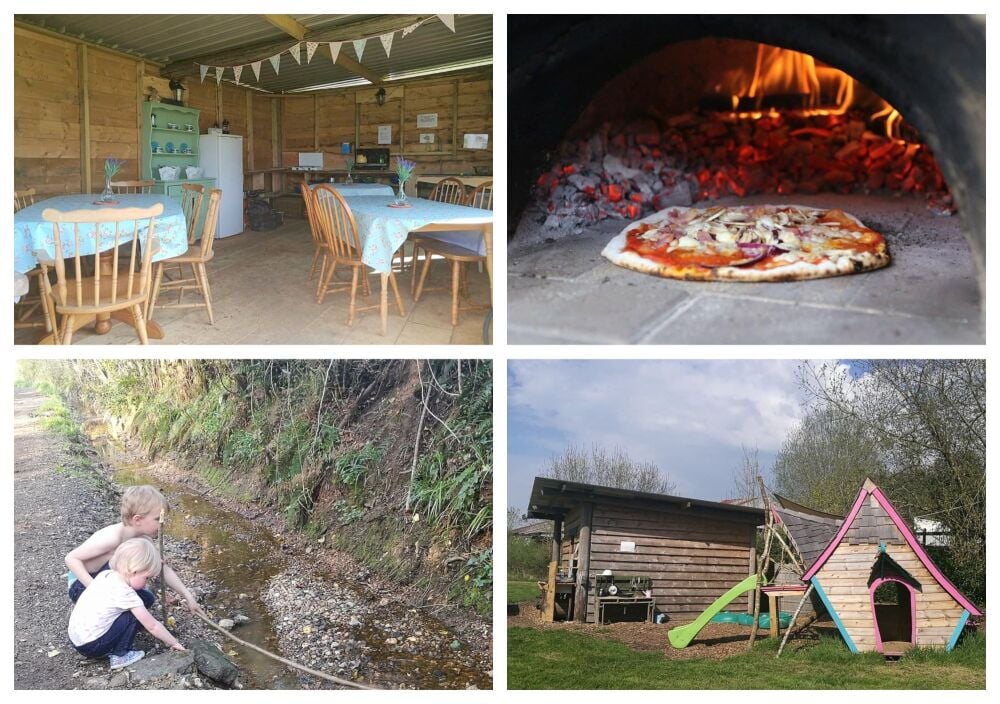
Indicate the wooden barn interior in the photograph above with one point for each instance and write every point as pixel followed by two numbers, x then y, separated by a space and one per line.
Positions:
pixel 315 98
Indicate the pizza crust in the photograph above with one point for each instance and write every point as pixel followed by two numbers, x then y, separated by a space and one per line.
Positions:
pixel 848 263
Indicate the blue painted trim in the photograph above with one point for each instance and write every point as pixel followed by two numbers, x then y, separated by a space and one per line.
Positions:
pixel 833 614
pixel 958 630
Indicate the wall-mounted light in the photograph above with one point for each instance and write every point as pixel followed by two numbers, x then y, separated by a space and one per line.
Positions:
pixel 380 96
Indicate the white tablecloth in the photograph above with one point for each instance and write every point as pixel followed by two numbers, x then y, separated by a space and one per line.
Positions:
pixel 382 229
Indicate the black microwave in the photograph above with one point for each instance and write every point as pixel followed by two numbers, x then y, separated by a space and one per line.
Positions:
pixel 372 158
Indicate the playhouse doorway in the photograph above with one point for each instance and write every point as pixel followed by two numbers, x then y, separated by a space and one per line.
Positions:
pixel 893 610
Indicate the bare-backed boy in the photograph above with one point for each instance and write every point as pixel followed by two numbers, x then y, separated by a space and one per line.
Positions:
pixel 140 512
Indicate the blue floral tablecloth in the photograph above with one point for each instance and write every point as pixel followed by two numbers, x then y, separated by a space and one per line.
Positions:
pixel 33 237
pixel 382 229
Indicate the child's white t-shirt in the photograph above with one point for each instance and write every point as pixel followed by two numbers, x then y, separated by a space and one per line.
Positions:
pixel 101 603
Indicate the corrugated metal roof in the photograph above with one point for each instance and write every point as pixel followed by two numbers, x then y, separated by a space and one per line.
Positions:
pixel 166 39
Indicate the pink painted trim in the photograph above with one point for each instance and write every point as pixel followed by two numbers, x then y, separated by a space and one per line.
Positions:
pixel 913 611
pixel 922 554
pixel 844 527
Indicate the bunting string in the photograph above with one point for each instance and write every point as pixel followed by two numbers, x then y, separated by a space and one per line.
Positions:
pixel 385 39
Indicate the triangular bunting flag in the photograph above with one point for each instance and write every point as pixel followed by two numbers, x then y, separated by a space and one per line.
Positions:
pixel 359 47
pixel 218 73
pixel 310 50
pixel 276 62
pixel 387 42
pixel 203 69
pixel 256 69
pixel 449 21
pixel 335 50
pixel 237 70
pixel 411 28
pixel 295 51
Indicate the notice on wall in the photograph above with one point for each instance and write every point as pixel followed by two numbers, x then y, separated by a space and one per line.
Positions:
pixel 476 141
pixel 427 119
pixel 427 138
pixel 627 546
pixel 385 134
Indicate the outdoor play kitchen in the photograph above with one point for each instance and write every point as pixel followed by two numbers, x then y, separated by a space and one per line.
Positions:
pixel 214 135
pixel 622 555
pixel 834 113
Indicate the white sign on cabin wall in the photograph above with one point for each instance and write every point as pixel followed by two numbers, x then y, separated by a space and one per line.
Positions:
pixel 427 138
pixel 427 119
pixel 627 546
pixel 476 141
pixel 385 134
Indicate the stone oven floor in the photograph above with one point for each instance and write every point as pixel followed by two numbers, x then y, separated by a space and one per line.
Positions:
pixel 563 290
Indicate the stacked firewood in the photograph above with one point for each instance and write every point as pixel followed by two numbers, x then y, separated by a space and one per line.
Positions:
pixel 634 169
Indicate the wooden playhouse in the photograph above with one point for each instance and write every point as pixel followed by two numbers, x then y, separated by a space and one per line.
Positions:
pixel 881 587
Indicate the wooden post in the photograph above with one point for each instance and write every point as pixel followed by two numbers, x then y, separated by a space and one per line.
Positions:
pixel 753 566
pixel 548 614
pixel 795 616
pixel 773 599
pixel 557 540
pixel 582 598
pixel 84 77
pixel 163 581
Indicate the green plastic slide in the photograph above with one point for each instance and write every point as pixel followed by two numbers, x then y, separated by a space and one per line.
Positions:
pixel 681 636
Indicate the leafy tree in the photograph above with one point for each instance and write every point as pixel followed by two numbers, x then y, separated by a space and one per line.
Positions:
pixel 918 428
pixel 612 469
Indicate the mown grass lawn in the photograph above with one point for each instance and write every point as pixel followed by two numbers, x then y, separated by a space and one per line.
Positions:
pixel 518 592
pixel 554 659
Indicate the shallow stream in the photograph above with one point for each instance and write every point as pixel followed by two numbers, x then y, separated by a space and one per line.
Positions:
pixel 240 557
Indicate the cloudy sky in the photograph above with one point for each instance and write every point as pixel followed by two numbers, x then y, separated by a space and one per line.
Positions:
pixel 689 417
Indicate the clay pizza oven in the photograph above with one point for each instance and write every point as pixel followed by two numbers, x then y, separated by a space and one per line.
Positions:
pixel 612 118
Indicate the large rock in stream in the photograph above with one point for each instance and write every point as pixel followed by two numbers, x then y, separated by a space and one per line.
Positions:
pixel 153 667
pixel 212 663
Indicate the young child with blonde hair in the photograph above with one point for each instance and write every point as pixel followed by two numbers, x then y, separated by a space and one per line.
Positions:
pixel 140 512
pixel 110 610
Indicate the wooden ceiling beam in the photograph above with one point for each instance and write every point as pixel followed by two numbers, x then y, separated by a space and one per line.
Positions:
pixel 289 25
pixel 261 51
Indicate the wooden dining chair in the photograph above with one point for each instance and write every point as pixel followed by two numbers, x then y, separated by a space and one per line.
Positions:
pixel 110 290
pixel 126 187
pixel 321 254
pixel 343 246
pixel 31 301
pixel 447 190
pixel 198 254
pixel 456 255
pixel 192 195
pixel 482 196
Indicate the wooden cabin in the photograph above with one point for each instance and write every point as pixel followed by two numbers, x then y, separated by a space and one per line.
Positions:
pixel 881 587
pixel 690 551
pixel 309 96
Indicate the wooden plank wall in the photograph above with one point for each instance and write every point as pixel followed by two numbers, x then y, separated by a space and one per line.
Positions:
pixel 47 124
pixel 463 105
pixel 844 578
pixel 51 90
pixel 692 560
pixel 571 537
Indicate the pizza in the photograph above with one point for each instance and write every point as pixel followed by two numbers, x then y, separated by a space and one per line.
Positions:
pixel 748 243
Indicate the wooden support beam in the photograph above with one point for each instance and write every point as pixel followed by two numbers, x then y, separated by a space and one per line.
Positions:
pixel 250 150
pixel 84 81
pixel 287 24
pixel 556 540
pixel 549 612
pixel 358 68
pixel 582 599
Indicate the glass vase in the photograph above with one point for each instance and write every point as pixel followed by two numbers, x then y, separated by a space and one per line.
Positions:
pixel 107 195
pixel 401 198
pixel 348 179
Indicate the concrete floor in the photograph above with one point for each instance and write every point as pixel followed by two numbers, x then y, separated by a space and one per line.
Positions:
pixel 563 291
pixel 261 295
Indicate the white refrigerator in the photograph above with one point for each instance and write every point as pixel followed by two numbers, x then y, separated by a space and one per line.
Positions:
pixel 222 159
